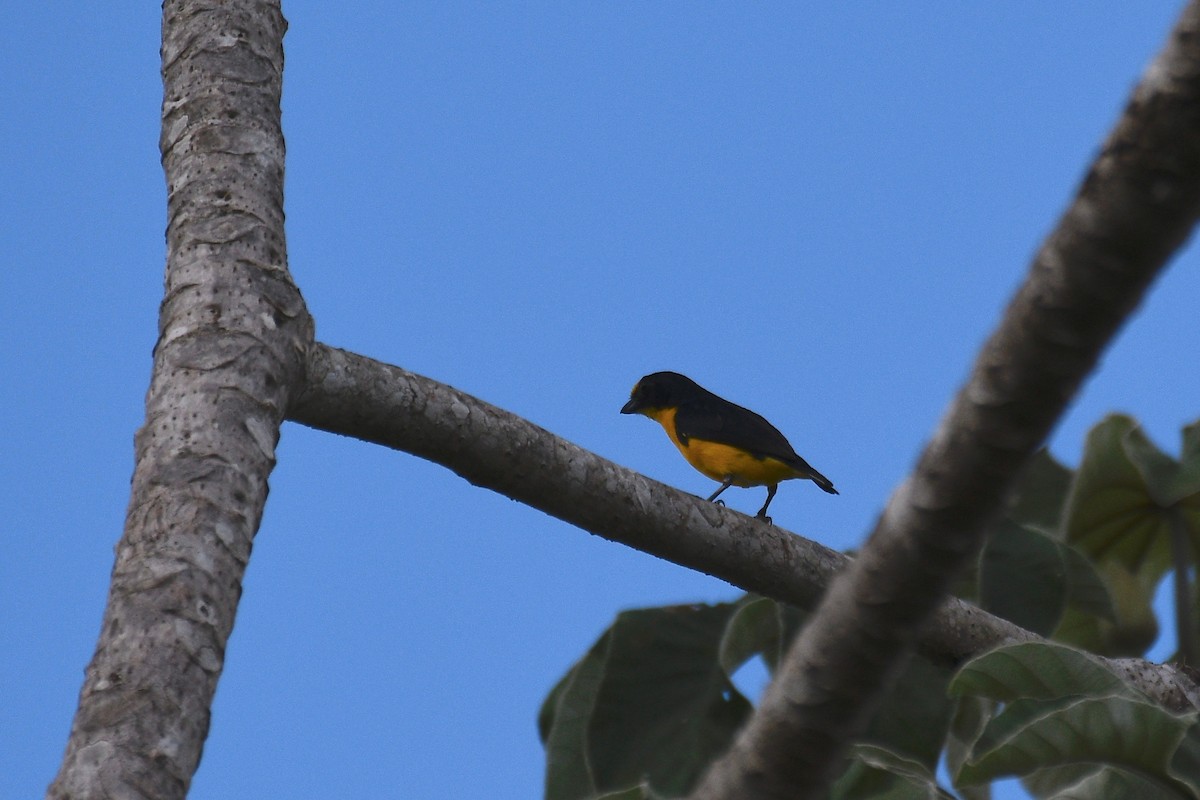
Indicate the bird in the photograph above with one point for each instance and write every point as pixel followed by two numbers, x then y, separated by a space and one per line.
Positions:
pixel 728 443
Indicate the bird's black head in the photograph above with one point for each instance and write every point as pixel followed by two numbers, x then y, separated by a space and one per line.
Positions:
pixel 660 390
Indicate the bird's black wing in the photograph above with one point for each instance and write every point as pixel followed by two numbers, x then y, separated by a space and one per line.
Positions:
pixel 715 419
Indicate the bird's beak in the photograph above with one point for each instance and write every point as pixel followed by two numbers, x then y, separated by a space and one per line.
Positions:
pixel 630 408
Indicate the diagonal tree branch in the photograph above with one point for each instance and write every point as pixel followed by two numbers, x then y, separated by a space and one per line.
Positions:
pixel 356 396
pixel 233 331
pixel 1137 204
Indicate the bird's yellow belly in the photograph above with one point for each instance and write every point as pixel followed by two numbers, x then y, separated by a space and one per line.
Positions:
pixel 722 461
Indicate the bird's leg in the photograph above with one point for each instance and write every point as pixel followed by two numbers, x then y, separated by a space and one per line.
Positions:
pixel 728 482
pixel 762 512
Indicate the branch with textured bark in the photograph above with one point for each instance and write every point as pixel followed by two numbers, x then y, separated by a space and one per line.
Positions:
pixel 233 330
pixel 1136 206
pixel 355 396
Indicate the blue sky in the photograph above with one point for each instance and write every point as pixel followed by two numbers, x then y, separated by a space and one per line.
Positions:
pixel 816 210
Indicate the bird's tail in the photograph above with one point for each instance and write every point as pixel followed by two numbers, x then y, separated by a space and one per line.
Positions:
pixel 822 481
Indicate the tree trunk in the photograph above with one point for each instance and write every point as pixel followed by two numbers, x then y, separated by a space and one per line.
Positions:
pixel 233 333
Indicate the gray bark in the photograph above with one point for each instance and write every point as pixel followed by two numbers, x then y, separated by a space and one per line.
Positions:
pixel 233 333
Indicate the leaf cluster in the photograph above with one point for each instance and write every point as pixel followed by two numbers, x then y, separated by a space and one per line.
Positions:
pixel 1076 557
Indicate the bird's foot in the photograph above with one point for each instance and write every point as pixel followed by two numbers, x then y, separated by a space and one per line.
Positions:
pixel 720 503
pixel 764 518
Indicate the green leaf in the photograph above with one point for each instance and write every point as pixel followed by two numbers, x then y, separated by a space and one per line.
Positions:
pixel 1113 784
pixel 881 774
pixel 1190 451
pixel 1119 504
pixel 563 723
pixel 1037 670
pixel 1023 577
pixel 1086 590
pixel 1185 762
pixel 1134 626
pixel 640 792
pixel 753 629
pixel 1031 579
pixel 1040 493
pixel 1127 638
pixel 970 717
pixel 1010 720
pixel 665 708
pixel 546 713
pixel 914 717
pixel 1118 731
pixel 1167 480
pixel 1046 782
pixel 649 704
pixel 1110 514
